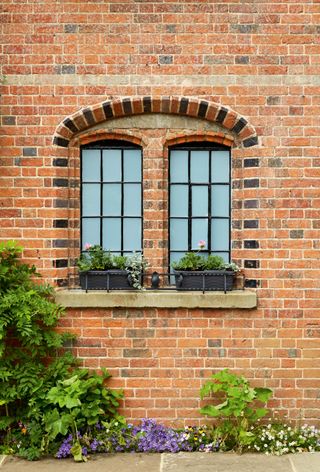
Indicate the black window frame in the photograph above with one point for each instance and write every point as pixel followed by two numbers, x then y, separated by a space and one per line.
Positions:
pixel 198 146
pixel 103 145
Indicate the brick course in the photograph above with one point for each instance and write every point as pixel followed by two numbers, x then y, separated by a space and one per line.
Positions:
pixel 243 74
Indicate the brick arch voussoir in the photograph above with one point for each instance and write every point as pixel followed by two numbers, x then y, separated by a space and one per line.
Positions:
pixel 93 115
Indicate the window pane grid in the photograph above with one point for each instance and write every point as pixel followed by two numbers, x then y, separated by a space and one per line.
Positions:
pixel 111 215
pixel 202 193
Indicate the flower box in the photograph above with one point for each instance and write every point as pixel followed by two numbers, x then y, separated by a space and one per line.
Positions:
pixel 206 280
pixel 105 280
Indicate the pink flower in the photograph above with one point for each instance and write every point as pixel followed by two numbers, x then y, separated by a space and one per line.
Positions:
pixel 87 246
pixel 202 244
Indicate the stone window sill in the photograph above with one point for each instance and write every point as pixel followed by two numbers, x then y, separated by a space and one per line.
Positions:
pixel 156 299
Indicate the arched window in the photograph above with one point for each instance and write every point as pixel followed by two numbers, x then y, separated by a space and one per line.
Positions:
pixel 111 196
pixel 199 199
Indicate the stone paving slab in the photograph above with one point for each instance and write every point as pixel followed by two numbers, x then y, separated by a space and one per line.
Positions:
pixel 182 462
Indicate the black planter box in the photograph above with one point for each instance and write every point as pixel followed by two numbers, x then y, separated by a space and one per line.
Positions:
pixel 105 280
pixel 221 280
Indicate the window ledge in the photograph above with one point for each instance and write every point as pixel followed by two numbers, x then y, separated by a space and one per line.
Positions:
pixel 155 299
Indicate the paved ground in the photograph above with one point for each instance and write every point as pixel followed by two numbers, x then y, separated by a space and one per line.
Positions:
pixel 182 462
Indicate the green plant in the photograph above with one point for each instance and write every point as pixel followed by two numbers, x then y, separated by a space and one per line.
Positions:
pixel 136 265
pixel 43 395
pixel 195 261
pixel 237 410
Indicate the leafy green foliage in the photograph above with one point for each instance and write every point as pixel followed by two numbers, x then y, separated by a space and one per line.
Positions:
pixel 41 389
pixel 237 410
pixel 195 261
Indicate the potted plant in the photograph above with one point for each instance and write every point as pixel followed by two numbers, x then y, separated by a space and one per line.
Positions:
pixel 196 272
pixel 101 270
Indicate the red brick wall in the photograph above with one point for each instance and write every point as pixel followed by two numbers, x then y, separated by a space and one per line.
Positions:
pixel 260 60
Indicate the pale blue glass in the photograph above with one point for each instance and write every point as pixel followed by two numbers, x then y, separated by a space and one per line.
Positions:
pixel 111 230
pixel 91 165
pixel 199 166
pixel 179 234
pixel 220 200
pixel 199 230
pixel 179 200
pixel 132 165
pixel 199 200
pixel 90 231
pixel 224 255
pixel 111 199
pixel 220 235
pixel 179 166
pixel 90 199
pixel 111 164
pixel 220 166
pixel 132 234
pixel 132 200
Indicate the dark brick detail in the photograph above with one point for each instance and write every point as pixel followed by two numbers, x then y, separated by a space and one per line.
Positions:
pixel 147 104
pixel 60 243
pixel 183 105
pixel 292 352
pixel 251 183
pixel 127 107
pixel 18 161
pixel 60 223
pixel 236 224
pixel 237 184
pixel 136 353
pixel 251 283
pixel 60 263
pixel 251 224
pixel 203 109
pixel 251 162
pixel 221 115
pixel 251 203
pixel 60 141
pixel 296 233
pixel 8 120
pixel 240 124
pixel 245 29
pixel 222 353
pixel 70 124
pixel 29 151
pixel 124 313
pixel 60 182
pixel 249 142
pixel 68 69
pixel 275 162
pixel 87 113
pixel 251 264
pixel 140 333
pixel 165 59
pixel 60 162
pixel 273 100
pixel 242 60
pixel 214 342
pixel 236 244
pixel 107 109
pixel 251 244
pixel 61 203
pixel 237 204
pixel 70 28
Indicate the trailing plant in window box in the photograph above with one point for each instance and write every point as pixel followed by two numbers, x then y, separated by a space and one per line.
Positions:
pixel 101 270
pixel 197 272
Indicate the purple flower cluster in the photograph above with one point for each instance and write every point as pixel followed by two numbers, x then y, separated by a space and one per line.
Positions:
pixel 155 437
pixel 65 448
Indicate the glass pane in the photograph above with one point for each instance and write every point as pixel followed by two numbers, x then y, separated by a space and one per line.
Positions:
pixel 132 200
pixel 199 229
pixel 90 231
pixel 132 234
pixel 111 164
pixel 179 235
pixel 179 200
pixel 179 166
pixel 220 235
pixel 224 255
pixel 199 201
pixel 112 199
pixel 90 199
pixel 220 166
pixel 220 200
pixel 91 165
pixel 199 166
pixel 111 237
pixel 132 165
